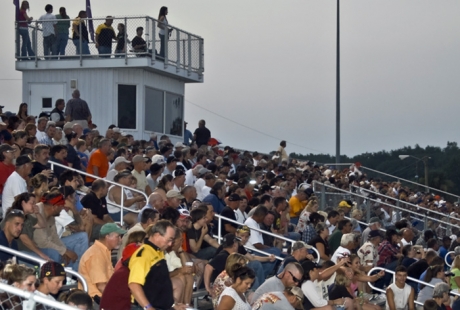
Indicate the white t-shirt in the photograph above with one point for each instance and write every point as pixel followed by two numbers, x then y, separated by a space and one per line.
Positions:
pixel 256 236
pixel 205 191
pixel 40 135
pixel 240 216
pixel 314 292
pixel 189 178
pixel 401 296
pixel 339 253
pixel 14 186
pixel 240 304
pixel 199 186
pixel 111 175
pixel 44 295
pixel 48 26
pixel 330 227
pixel 141 180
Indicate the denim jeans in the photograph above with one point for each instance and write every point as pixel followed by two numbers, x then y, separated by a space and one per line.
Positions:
pixel 162 45
pixel 84 47
pixel 104 50
pixel 270 266
pixel 51 253
pixel 78 243
pixel 260 274
pixel 26 47
pixel 49 45
pixel 61 43
pixel 293 235
pixel 206 253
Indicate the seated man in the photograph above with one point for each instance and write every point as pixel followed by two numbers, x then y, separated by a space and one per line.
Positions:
pixel 95 201
pixel 96 264
pixel 347 244
pixel 14 222
pixel 289 299
pixel 202 245
pixel 400 295
pixel 139 44
pixel 298 254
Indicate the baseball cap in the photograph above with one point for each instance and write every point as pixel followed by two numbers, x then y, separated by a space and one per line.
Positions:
pixel 129 250
pixel 22 160
pixel 234 197
pixel 203 171
pixel 6 148
pixel 374 233
pixel 374 220
pixel 158 159
pixel 68 125
pixel 52 269
pixel 111 228
pixel 300 245
pixel 309 265
pixel 178 172
pixel 174 194
pixel 179 144
pixel 343 204
pixel 171 159
pixel 121 159
pixel 139 158
pixel 184 213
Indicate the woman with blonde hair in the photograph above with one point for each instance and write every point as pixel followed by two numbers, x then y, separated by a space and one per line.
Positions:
pixel 21 277
pixel 224 279
pixel 455 279
pixel 31 130
pixel 40 185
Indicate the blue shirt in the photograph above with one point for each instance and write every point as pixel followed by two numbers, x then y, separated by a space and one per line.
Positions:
pixel 3 241
pixel 187 137
pixel 147 206
pixel 217 203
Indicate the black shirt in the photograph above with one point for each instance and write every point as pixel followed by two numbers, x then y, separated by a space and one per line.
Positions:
pixel 72 157
pixel 202 136
pixel 37 168
pixel 194 234
pixel 97 206
pixel 416 269
pixel 268 240
pixel 316 240
pixel 120 41
pixel 227 212
pixel 338 291
pixel 3 241
pixel 105 36
pixel 56 169
pixel 138 41
pixel 218 263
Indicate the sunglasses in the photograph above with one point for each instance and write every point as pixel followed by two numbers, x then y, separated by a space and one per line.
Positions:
pixel 294 278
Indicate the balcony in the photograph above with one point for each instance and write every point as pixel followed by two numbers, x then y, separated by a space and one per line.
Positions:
pixel 183 57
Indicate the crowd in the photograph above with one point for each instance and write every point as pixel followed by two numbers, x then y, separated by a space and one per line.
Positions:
pixel 165 237
pixel 57 29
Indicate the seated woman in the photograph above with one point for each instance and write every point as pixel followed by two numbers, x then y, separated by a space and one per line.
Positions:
pixel 180 274
pixel 435 274
pixel 359 277
pixel 114 196
pixel 202 245
pixel 224 279
pixel 320 242
pixel 233 298
pixel 21 277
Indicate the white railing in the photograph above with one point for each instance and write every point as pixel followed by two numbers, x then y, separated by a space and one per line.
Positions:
pixel 453 292
pixel 123 187
pixel 41 262
pixel 30 300
pixel 219 237
pixel 448 255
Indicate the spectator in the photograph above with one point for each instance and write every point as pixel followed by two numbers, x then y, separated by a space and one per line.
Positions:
pixel 282 151
pixel 455 279
pixel 121 42
pixel 77 110
pixel 267 225
pixel 427 235
pixel 297 203
pixel 400 295
pixel 229 246
pixel 407 236
pixel 416 269
pixel 374 224
pixel 156 170
pixel 178 179
pixel 347 244
pixel 148 217
pixel 7 166
pixel 291 298
pixel 189 193
pixel 202 245
pixel 50 131
pixel 16 182
pixel 24 20
pixel 58 155
pixel 56 115
pixel 62 37
pixel 70 248
pixel 41 165
pixel 149 280
pixel 48 27
pixel 139 164
pixel 435 274
pixel 291 276
pixel 96 263
pixel 368 253
pixel 72 159
pixel 210 180
pixel 388 249
pixel 138 43
pixel 77 298
pixel 14 222
pixel 164 30
pixel 41 126
pixel 105 34
pixel 98 164
pixel 441 295
pixel 119 164
pixel 344 227
pixel 117 295
pixel 52 276
pixel 233 296
pixel 299 253
pixel 310 230
pixel 320 242
pixel 202 134
pixel 173 199
pixel 95 201
pixel 21 277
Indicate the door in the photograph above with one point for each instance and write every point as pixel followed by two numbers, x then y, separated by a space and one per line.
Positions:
pixel 44 96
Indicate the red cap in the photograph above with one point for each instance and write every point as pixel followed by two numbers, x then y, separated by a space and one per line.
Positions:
pixel 129 251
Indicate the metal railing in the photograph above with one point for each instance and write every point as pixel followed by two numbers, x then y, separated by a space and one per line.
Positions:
pixel 41 262
pixel 180 48
pixel 448 255
pixel 453 292
pixel 219 236
pixel 367 208
pixel 30 300
pixel 123 187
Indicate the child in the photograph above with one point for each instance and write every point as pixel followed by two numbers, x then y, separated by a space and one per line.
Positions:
pixel 52 276
pixel 81 148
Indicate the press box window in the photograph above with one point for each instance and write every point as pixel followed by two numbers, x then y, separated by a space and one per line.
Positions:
pixel 127 102
pixel 154 109
pixel 47 103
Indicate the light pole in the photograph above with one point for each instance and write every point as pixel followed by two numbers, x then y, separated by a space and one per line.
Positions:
pixel 337 99
pixel 424 159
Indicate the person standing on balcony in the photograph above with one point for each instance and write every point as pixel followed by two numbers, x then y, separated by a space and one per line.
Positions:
pixel 62 31
pixel 23 27
pixel 80 33
pixel 49 31
pixel 77 111
pixel 202 134
pixel 164 30
pixel 121 43
pixel 104 36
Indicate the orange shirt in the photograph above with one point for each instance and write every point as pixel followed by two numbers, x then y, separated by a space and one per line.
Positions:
pixel 296 206
pixel 99 160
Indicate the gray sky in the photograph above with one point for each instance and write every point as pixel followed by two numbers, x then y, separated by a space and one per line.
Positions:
pixel 270 65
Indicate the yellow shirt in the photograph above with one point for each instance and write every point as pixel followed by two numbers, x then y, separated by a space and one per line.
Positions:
pixel 96 267
pixel 295 206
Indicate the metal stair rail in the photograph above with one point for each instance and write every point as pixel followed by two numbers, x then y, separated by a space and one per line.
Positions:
pixel 123 187
pixel 41 262
pixel 219 237
pixel 323 193
pixel 30 300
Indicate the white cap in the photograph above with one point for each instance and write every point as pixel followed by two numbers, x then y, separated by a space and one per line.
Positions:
pixel 179 144
pixel 158 159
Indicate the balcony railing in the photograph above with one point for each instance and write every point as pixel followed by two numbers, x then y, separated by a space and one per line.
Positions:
pixel 182 49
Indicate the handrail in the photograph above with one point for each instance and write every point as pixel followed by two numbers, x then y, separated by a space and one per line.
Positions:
pixel 452 292
pixel 220 218
pixel 380 202
pixel 448 255
pixel 121 206
pixel 33 298
pixel 252 249
pixel 42 261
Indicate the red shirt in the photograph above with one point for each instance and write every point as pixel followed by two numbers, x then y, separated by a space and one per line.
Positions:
pixel 116 295
pixel 5 172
